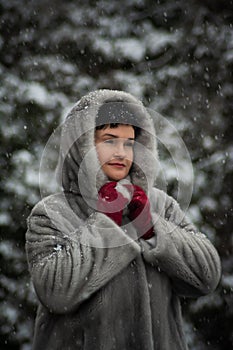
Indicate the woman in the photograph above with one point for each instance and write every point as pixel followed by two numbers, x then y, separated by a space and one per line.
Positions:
pixel 111 255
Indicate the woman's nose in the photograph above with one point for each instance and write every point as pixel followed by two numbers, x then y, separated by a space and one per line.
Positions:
pixel 120 150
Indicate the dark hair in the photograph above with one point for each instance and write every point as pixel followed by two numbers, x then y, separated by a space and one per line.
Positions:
pixel 115 125
pixel 117 113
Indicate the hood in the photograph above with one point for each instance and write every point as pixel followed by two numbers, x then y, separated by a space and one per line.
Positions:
pixel 79 169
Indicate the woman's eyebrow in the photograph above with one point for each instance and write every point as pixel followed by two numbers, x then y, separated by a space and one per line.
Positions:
pixel 115 136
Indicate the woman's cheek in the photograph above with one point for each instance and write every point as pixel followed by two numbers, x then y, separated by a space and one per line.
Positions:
pixel 104 155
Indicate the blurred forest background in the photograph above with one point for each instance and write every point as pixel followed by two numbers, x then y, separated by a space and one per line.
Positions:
pixel 175 55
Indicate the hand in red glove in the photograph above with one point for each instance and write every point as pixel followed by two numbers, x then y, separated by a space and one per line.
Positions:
pixel 139 213
pixel 111 202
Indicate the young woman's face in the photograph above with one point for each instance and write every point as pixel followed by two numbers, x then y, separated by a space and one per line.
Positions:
pixel 114 147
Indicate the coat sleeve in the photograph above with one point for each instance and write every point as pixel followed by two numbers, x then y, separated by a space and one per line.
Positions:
pixel 69 258
pixel 185 255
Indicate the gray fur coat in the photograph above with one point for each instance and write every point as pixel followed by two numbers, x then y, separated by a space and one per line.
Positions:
pixel 99 286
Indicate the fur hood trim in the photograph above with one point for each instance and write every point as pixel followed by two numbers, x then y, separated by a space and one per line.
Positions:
pixel 79 169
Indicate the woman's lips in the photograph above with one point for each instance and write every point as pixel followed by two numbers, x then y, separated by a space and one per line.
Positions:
pixel 117 165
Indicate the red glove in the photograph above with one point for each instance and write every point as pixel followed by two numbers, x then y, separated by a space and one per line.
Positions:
pixel 139 213
pixel 112 202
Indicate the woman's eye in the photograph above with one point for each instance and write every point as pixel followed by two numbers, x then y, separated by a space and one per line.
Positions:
pixel 110 141
pixel 129 144
pixel 115 142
